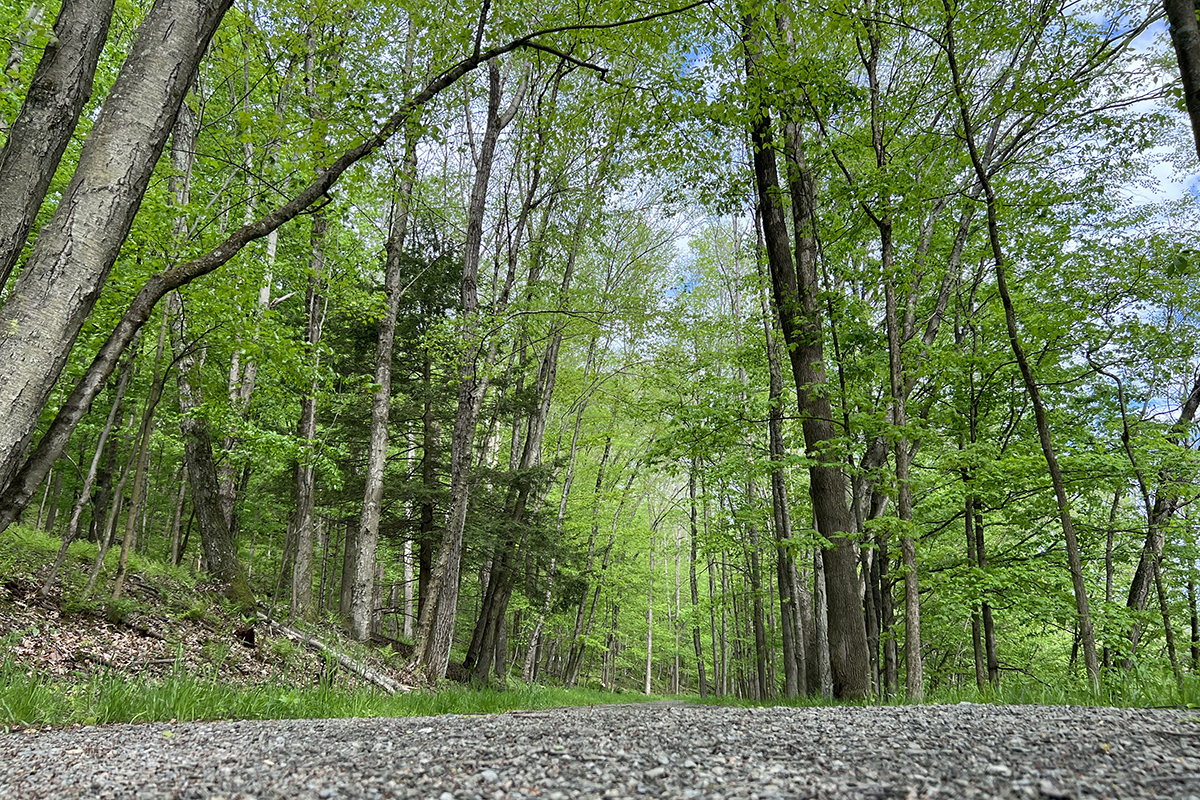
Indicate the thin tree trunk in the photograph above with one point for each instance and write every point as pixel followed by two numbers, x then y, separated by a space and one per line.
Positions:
pixel 972 567
pixel 1074 560
pixel 177 516
pixel 568 482
pixel 820 613
pixel 435 628
pixel 368 526
pixel 1161 509
pixel 650 619
pixel 1168 631
pixel 139 476
pixel 85 492
pixel 45 497
pixel 107 528
pixel 693 585
pixel 1194 616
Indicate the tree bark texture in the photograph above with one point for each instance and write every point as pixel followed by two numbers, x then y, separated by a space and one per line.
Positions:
pixel 78 246
pixel 794 292
pixel 220 551
pixel 1185 37
pixel 368 526
pixel 46 359
pixel 1074 559
pixel 435 630
pixel 60 87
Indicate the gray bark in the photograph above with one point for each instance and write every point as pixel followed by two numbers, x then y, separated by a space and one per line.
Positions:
pixel 39 136
pixel 436 626
pixel 76 249
pixel 368 526
pixel 85 492
pixel 1185 37
pixel 38 379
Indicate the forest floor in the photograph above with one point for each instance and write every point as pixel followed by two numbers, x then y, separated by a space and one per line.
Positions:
pixel 172 648
pixel 165 623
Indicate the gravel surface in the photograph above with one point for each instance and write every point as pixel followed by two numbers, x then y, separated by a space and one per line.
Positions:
pixel 656 750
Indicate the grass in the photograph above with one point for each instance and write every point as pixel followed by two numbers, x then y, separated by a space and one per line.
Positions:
pixel 28 699
pixel 108 697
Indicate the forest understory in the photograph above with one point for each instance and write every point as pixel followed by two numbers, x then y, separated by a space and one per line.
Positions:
pixel 746 349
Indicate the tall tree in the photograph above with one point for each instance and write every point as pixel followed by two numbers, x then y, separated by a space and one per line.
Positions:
pixel 794 292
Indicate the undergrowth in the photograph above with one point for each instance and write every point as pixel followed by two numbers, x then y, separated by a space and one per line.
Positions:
pixel 30 699
pixel 109 696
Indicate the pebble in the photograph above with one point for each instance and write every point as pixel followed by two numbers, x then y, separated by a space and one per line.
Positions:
pixel 684 751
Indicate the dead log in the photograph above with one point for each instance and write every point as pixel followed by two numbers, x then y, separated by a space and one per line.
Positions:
pixel 361 670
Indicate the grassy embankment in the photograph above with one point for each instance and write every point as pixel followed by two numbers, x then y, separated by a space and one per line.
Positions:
pixel 92 680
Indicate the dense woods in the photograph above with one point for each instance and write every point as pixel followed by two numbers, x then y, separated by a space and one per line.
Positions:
pixel 756 349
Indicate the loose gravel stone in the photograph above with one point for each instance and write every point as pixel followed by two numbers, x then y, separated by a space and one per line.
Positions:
pixel 649 750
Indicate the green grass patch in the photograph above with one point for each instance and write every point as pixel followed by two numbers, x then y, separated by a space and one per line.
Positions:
pixel 27 700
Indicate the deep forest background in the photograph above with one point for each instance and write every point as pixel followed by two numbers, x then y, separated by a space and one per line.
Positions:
pixel 751 348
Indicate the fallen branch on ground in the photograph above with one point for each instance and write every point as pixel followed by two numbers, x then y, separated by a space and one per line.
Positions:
pixel 361 670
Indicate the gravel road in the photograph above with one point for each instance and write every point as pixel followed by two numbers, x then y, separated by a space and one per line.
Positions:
pixel 656 750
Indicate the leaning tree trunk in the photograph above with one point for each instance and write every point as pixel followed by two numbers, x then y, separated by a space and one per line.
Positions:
pixel 28 382
pixel 77 248
pixel 85 492
pixel 435 629
pixel 531 453
pixel 36 142
pixel 1185 36
pixel 1074 559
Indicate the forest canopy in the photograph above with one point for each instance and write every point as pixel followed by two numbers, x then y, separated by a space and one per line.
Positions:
pixel 749 348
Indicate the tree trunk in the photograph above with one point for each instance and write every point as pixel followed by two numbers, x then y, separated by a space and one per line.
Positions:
pixel 1074 559
pixel 695 589
pixel 1185 36
pixel 76 249
pixel 1194 618
pixel 435 629
pixel 178 543
pixel 315 304
pixel 649 619
pixel 44 126
pixel 1168 631
pixel 220 551
pixel 531 452
pixel 568 482
pixel 820 614
pixel 795 296
pixel 143 452
pixel 85 491
pixel 368 526
pixel 53 492
pixel 1161 509
pixel 972 567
